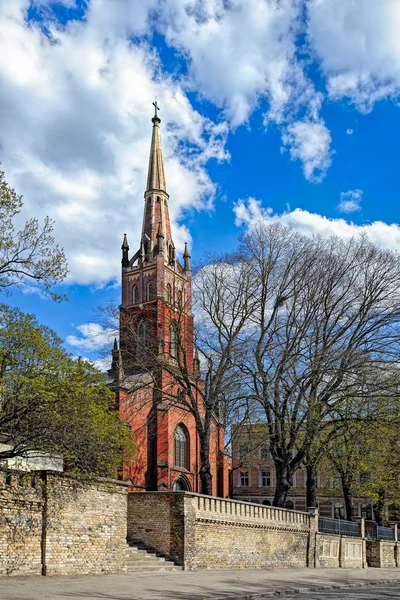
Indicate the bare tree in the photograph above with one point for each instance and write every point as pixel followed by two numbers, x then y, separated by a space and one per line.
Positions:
pixel 328 309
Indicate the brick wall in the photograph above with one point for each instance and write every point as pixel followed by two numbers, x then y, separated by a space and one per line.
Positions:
pixel 201 532
pixel 21 506
pixel 382 554
pixel 52 524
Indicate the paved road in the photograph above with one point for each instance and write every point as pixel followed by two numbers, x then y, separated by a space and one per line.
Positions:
pixel 209 585
pixel 372 592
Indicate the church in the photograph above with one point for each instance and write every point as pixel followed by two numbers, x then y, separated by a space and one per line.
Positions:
pixel 156 291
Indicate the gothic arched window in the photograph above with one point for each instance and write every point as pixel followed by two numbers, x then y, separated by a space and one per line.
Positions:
pixel 173 340
pixel 366 511
pixel 169 293
pixel 135 294
pixel 150 291
pixel 181 447
pixel 338 511
pixel 143 332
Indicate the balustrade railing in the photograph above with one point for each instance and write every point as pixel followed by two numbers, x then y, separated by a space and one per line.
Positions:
pixel 374 532
pixel 338 527
pixel 225 507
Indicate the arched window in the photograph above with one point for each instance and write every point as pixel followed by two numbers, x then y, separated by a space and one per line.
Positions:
pixel 135 294
pixel 366 511
pixel 150 291
pixel 173 340
pixel 180 299
pixel 393 512
pixel 170 253
pixel 338 511
pixel 266 502
pixel 289 504
pixel 181 447
pixel 143 333
pixel 169 293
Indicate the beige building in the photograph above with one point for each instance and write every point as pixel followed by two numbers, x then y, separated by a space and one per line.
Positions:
pixel 253 478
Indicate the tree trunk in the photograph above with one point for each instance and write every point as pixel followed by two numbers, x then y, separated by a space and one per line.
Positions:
pixel 282 485
pixel 348 500
pixel 379 507
pixel 205 467
pixel 311 487
pixel 205 477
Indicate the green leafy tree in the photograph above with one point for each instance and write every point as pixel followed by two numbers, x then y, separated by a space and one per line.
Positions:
pixel 51 403
pixel 29 254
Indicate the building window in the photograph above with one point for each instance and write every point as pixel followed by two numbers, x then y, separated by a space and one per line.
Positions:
pixel 267 502
pixel 135 294
pixel 265 479
pixel 289 504
pixel 366 511
pixel 143 333
pixel 264 451
pixel 150 291
pixel 181 448
pixel 169 293
pixel 180 302
pixel 338 511
pixel 173 340
pixel 243 478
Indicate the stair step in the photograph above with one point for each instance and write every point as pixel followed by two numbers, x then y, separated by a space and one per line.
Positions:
pixel 134 569
pixel 141 558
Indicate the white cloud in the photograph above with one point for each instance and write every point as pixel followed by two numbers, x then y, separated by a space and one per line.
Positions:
pixel 358 45
pixel 93 337
pixel 350 201
pixel 386 235
pixel 310 142
pixel 75 111
pixel 349 131
pixel 242 54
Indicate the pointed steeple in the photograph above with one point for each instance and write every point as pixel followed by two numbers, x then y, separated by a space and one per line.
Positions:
pixel 186 259
pixel 125 251
pixel 155 175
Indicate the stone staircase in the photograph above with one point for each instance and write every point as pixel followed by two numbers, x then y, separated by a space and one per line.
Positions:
pixel 141 558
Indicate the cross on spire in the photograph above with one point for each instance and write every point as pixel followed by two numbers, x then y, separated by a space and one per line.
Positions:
pixel 156 108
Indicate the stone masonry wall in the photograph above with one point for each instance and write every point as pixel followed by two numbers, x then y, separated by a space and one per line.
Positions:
pixel 382 554
pixel 327 551
pixel 201 532
pixel 52 524
pixel 21 505
pixel 230 535
pixel 157 519
pixel 85 527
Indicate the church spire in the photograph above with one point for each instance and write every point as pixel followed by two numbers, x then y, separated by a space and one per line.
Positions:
pixel 156 176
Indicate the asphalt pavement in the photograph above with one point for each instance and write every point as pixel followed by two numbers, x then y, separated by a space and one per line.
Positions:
pixel 245 584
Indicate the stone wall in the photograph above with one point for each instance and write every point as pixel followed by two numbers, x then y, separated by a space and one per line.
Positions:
pixel 52 524
pixel 201 532
pixel 382 554
pixel 21 507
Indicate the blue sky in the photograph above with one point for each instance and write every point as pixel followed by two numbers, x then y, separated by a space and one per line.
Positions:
pixel 280 110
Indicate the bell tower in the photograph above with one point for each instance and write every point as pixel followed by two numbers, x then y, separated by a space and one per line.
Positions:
pixel 156 300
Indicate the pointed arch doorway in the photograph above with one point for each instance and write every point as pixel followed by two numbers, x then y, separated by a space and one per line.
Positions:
pixel 181 484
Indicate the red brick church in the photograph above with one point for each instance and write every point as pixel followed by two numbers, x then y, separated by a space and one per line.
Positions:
pixel 156 287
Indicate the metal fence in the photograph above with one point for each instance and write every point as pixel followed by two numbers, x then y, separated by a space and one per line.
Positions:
pixel 375 532
pixel 338 527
